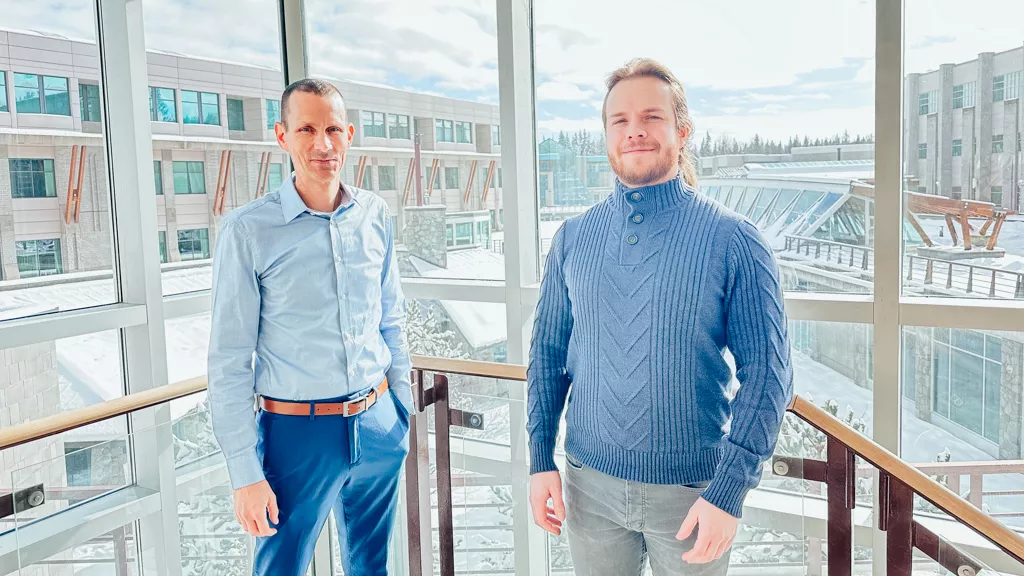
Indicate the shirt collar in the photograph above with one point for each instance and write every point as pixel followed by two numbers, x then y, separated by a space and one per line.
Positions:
pixel 292 205
pixel 657 197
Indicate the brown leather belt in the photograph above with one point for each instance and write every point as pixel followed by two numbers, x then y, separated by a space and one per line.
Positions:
pixel 350 408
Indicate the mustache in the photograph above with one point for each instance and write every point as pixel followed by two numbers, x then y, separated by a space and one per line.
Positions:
pixel 641 146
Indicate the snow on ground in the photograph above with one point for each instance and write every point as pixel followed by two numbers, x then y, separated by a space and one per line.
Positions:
pixel 921 441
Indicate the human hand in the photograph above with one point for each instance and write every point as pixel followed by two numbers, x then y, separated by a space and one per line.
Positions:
pixel 545 486
pixel 715 532
pixel 252 503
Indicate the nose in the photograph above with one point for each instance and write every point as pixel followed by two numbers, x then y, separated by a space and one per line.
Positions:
pixel 636 131
pixel 322 143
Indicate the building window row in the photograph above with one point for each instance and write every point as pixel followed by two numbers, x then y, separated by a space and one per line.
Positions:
pixel 36 94
pixel 381 125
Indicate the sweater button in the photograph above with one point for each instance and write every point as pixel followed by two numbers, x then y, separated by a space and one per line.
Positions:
pixel 638 218
pixel 632 239
pixel 636 196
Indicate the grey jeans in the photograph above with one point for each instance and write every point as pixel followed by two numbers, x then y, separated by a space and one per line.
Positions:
pixel 615 525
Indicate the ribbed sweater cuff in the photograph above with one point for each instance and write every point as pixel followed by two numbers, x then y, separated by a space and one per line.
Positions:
pixel 727 491
pixel 542 457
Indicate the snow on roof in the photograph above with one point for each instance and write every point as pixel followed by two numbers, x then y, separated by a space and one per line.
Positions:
pixel 482 324
pixel 89 366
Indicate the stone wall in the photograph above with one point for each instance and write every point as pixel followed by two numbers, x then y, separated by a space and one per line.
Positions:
pixel 1011 401
pixel 424 234
pixel 842 347
pixel 29 391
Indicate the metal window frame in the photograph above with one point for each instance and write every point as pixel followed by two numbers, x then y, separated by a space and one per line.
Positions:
pixel 141 309
pixel 41 82
pixel 52 172
pixel 154 116
pixel 241 103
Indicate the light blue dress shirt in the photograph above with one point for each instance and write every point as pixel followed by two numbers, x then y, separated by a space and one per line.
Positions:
pixel 316 296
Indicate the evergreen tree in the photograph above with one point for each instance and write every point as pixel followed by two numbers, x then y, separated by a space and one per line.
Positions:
pixel 706 145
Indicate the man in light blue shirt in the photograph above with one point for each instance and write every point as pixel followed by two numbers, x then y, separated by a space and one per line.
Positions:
pixel 308 327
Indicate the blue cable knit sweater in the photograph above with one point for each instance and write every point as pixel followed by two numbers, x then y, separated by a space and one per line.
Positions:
pixel 641 296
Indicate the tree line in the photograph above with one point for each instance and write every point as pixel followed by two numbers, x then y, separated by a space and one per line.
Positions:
pixel 586 143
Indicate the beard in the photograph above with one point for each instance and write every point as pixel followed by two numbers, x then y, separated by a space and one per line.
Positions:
pixel 651 170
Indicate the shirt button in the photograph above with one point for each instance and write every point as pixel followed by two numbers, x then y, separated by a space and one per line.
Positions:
pixel 636 196
pixel 638 218
pixel 337 258
pixel 632 239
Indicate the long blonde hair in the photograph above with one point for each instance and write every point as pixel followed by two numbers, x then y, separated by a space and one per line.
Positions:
pixel 650 68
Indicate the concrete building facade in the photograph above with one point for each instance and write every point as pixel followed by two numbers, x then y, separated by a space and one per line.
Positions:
pixel 213 150
pixel 962 128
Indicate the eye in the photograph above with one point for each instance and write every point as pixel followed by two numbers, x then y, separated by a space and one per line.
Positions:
pixel 305 129
pixel 619 121
pixel 654 117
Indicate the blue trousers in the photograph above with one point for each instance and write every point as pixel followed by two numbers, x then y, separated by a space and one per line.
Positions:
pixel 349 464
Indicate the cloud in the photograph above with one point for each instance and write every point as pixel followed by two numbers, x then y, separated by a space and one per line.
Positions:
pixel 781 124
pixel 756 97
pixel 769 109
pixel 553 126
pixel 561 91
pixel 740 57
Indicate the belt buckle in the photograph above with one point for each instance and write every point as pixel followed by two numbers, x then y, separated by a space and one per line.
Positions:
pixel 361 404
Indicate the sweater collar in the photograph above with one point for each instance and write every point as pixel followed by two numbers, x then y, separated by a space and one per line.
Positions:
pixel 657 197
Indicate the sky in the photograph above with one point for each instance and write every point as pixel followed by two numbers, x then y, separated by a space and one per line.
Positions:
pixel 779 68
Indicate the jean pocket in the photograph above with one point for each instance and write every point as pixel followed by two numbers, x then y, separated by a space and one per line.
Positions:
pixel 403 416
pixel 696 487
pixel 572 462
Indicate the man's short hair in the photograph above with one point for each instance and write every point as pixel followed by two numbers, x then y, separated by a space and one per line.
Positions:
pixel 310 86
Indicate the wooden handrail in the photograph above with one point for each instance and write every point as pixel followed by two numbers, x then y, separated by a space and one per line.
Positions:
pixel 961 510
pixel 951 503
pixel 60 423
pixel 497 370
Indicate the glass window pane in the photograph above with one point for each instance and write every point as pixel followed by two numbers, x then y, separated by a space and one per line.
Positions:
pixel 976 74
pixel 220 51
pixel 403 80
pixel 966 423
pixel 236 115
pixel 755 118
pixel 157 177
pixel 49 265
pixel 196 178
pixel 274 178
pixel 26 94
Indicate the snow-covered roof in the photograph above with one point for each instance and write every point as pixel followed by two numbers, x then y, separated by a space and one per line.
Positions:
pixel 482 324
pixel 89 366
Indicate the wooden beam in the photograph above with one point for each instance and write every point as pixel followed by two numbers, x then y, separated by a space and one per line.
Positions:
pixel 408 182
pixel 78 187
pixel 487 183
pixel 220 180
pixel 222 183
pixel 920 230
pixel 469 183
pixel 967 230
pixel 433 175
pixel 263 175
pixel 985 226
pixel 995 232
pixel 952 230
pixel 360 172
pixel 71 185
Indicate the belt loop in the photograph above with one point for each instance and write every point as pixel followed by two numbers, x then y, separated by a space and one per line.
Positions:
pixel 312 410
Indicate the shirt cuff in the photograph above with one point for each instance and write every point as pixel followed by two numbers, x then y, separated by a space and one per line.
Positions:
pixel 245 469
pixel 729 487
pixel 542 457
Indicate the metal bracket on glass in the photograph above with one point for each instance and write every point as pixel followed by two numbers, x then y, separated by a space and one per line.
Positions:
pixel 464 419
pixel 22 500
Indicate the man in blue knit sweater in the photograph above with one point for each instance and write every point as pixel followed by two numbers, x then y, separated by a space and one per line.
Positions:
pixel 641 296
